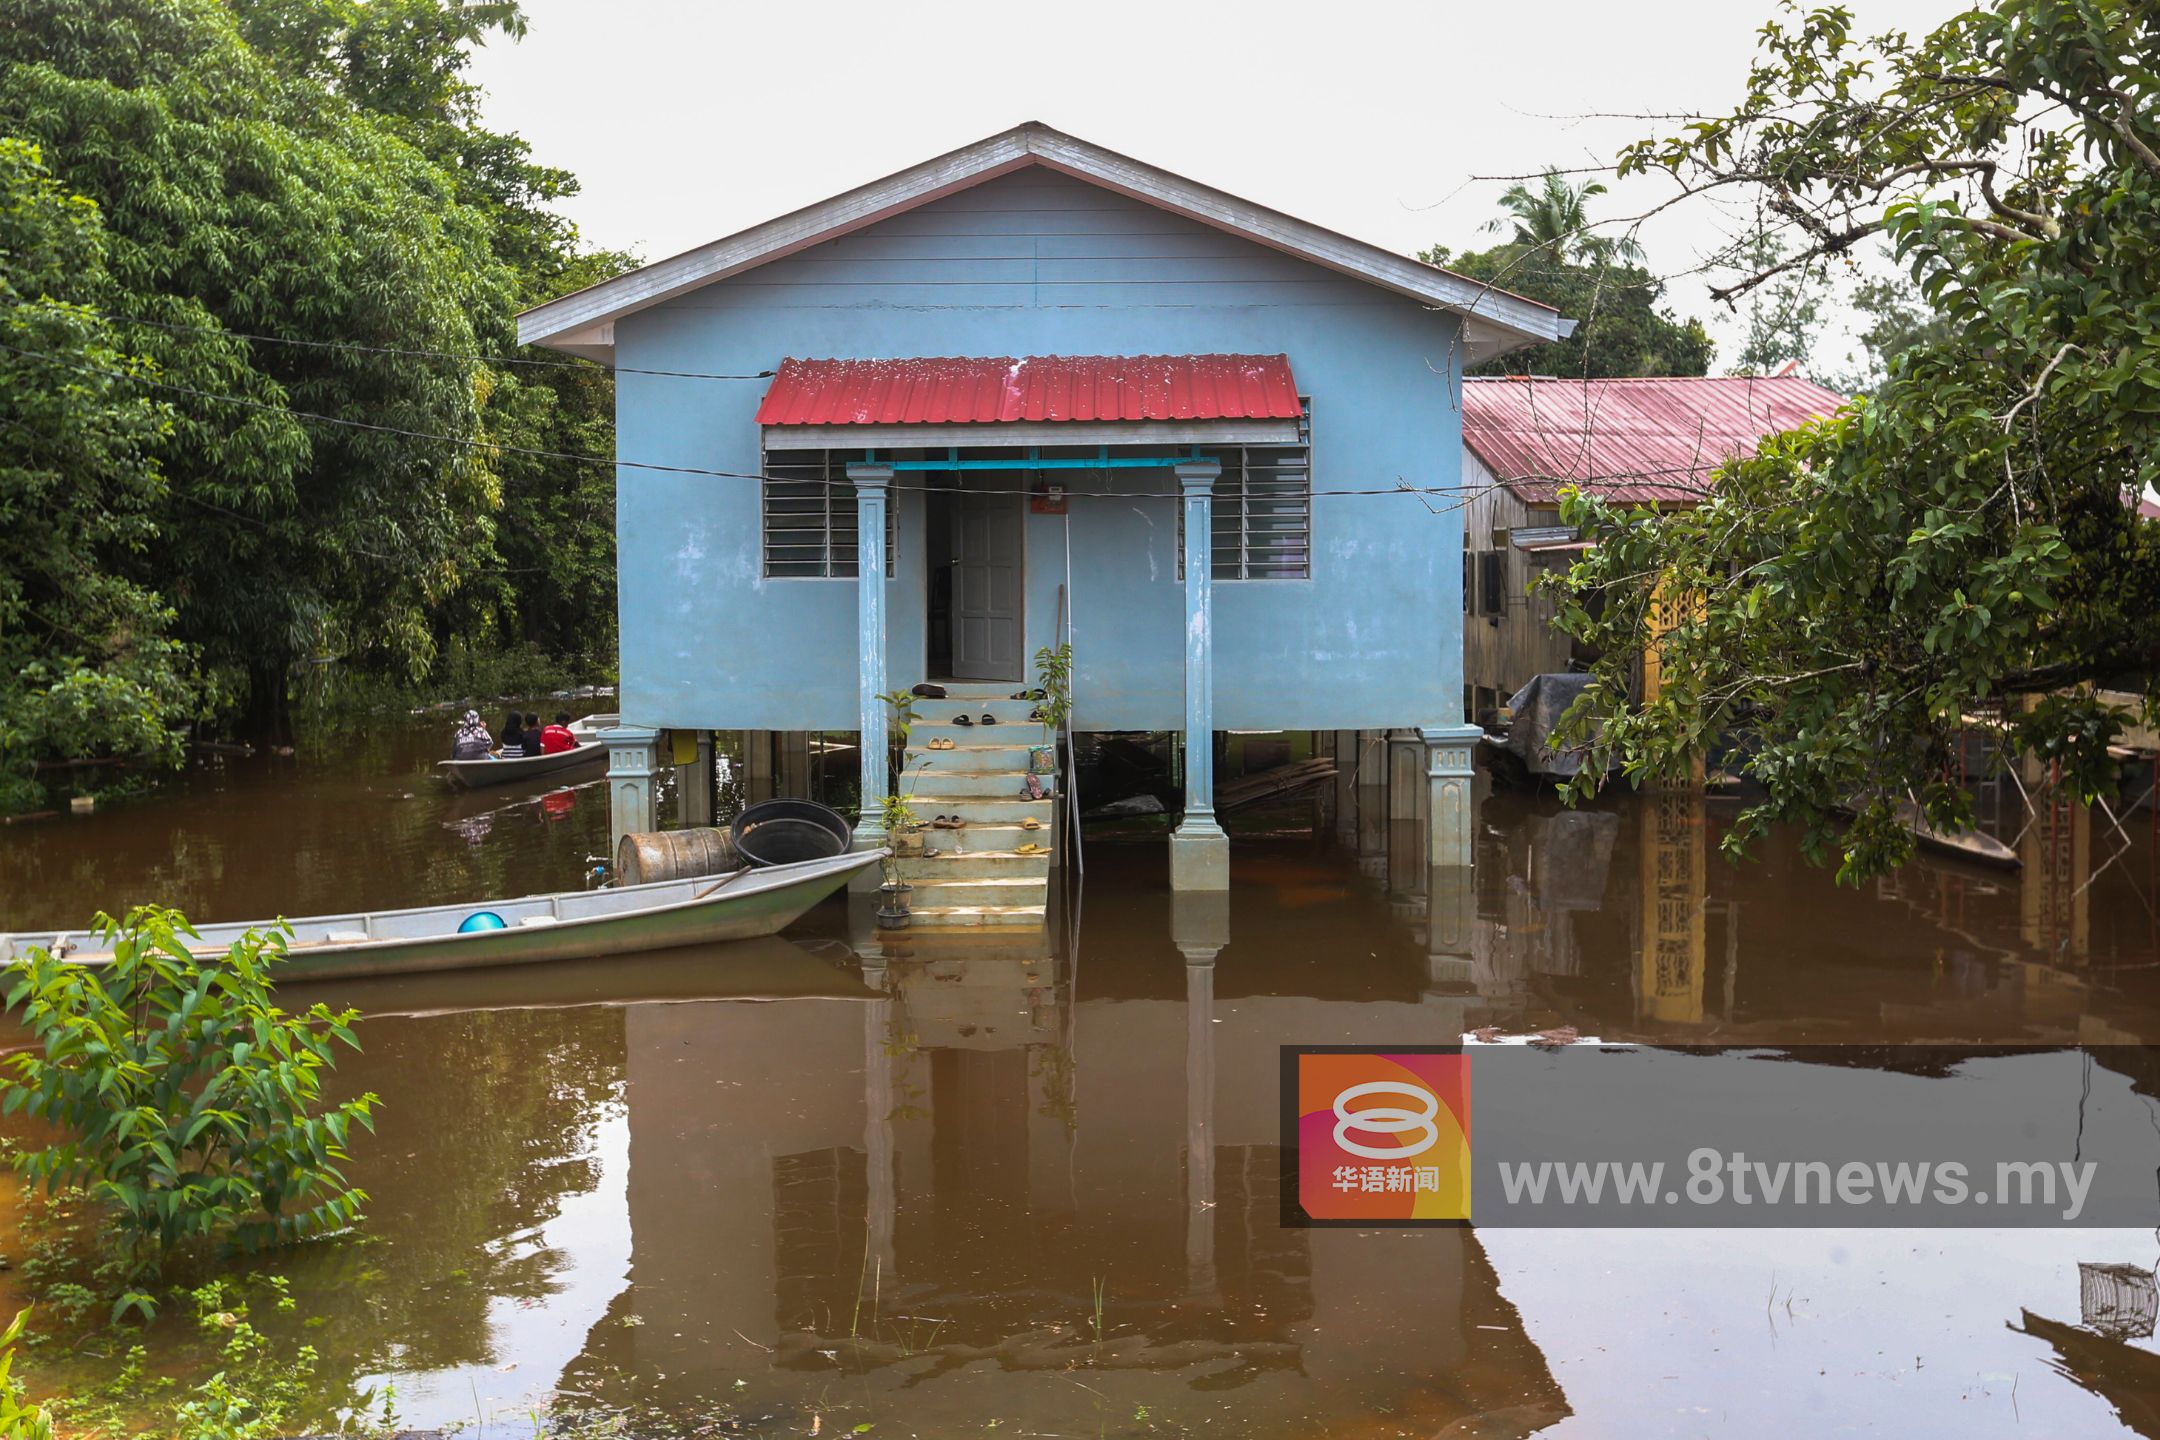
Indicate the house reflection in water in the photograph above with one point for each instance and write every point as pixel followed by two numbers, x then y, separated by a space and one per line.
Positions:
pixel 926 1182
pixel 974 1176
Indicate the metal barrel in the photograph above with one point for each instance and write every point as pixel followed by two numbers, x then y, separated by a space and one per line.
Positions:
pixel 781 832
pixel 647 856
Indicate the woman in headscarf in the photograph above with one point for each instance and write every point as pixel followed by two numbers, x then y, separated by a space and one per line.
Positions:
pixel 473 741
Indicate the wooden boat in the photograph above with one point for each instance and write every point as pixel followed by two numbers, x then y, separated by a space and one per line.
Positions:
pixel 1969 845
pixel 1959 845
pixel 763 967
pixel 472 774
pixel 589 727
pixel 571 925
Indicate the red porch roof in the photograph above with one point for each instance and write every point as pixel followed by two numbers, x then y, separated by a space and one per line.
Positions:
pixel 1000 389
pixel 1633 441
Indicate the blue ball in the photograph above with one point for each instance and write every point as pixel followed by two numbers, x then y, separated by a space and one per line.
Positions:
pixel 481 920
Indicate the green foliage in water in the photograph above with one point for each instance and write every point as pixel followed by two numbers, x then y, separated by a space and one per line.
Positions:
pixel 187 1104
pixel 19 1420
pixel 88 663
pixel 282 257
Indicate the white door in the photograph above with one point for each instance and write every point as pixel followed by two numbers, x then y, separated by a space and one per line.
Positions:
pixel 986 587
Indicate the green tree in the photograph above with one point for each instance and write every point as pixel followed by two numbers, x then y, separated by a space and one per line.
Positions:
pixel 1961 536
pixel 1784 316
pixel 547 577
pixel 1553 255
pixel 88 666
pixel 237 200
pixel 1556 217
pixel 181 1098
pixel 1895 317
pixel 1622 328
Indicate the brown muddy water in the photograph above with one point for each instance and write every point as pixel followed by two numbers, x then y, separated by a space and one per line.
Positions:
pixel 843 1183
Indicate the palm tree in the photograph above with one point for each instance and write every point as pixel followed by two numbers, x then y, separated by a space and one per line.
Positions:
pixel 1553 217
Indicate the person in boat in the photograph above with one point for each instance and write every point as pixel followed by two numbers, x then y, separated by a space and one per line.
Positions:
pixel 532 735
pixel 557 737
pixel 514 744
pixel 473 741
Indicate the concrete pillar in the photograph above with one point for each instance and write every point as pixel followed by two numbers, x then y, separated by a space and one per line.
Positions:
pixel 1346 802
pixel 1199 850
pixel 1450 917
pixel 1449 811
pixel 792 765
pixel 633 755
pixel 757 766
pixel 873 484
pixel 1200 927
pixel 694 783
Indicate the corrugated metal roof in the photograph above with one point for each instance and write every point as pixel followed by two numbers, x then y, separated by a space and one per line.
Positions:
pixel 1634 441
pixel 958 391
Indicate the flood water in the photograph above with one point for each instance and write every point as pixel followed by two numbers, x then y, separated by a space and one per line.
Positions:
pixel 903 1184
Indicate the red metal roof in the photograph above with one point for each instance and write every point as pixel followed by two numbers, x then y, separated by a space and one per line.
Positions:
pixel 1634 441
pixel 958 391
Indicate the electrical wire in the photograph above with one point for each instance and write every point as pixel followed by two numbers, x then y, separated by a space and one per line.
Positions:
pixel 1461 494
pixel 589 366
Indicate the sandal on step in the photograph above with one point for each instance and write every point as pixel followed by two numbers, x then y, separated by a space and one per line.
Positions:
pixel 1031 823
pixel 962 720
pixel 1030 848
pixel 987 719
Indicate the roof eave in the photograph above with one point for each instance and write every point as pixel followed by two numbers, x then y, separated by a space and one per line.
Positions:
pixel 576 322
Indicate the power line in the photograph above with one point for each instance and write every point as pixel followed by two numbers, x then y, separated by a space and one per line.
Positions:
pixel 1460 492
pixel 590 366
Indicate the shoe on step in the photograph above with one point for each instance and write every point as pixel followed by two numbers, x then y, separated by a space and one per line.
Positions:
pixel 927 691
pixel 987 718
pixel 962 720
pixel 1031 823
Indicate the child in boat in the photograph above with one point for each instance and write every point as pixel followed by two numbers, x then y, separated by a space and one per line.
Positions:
pixel 473 741
pixel 557 737
pixel 514 744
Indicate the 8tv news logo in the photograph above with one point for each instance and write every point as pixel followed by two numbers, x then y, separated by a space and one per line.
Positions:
pixel 1375 1138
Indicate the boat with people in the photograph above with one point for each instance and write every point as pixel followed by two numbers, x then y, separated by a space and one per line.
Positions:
pixel 569 925
pixel 502 769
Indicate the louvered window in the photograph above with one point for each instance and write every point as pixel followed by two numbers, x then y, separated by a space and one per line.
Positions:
pixel 809 515
pixel 1262 511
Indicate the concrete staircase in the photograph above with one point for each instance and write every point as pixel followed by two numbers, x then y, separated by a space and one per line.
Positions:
pixel 976 879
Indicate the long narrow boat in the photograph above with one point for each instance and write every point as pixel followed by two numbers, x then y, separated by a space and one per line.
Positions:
pixel 1973 845
pixel 571 925
pixel 472 774
pixel 590 726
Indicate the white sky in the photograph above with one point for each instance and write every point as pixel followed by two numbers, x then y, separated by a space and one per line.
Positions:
pixel 687 121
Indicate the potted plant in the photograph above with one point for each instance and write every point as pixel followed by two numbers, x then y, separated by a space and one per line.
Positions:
pixel 892 911
pixel 902 829
pixel 1053 677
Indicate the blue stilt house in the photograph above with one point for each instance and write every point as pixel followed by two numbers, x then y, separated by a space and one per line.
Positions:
pixel 1062 395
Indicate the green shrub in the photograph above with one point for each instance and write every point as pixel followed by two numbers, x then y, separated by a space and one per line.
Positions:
pixel 19 1420
pixel 188 1105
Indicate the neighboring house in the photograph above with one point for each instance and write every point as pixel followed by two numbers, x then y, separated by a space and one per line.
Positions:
pixel 1649 442
pixel 1063 394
